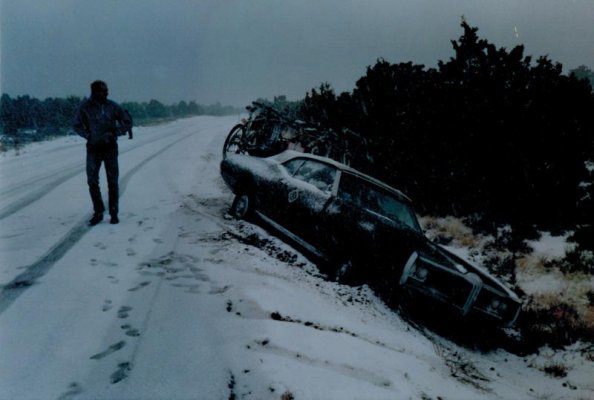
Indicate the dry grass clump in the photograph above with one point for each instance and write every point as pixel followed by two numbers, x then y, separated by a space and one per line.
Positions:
pixel 450 230
pixel 558 306
pixel 557 324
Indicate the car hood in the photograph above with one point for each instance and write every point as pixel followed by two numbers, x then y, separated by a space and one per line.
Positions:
pixel 262 166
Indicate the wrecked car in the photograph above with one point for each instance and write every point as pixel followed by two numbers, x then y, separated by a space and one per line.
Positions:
pixel 362 230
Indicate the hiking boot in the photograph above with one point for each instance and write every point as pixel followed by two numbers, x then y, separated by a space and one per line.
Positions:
pixel 96 219
pixel 114 220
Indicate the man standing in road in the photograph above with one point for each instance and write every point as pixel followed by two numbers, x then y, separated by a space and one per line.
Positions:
pixel 101 121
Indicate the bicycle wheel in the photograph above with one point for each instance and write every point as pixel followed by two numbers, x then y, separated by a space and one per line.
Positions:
pixel 234 142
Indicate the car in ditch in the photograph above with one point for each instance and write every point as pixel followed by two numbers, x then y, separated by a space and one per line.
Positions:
pixel 362 231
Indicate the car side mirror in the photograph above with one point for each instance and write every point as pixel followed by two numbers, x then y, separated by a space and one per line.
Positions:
pixel 333 204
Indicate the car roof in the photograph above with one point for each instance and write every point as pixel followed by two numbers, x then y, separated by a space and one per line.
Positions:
pixel 290 154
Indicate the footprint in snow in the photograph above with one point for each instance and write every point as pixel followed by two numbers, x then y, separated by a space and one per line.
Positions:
pixel 122 372
pixel 74 389
pixel 94 262
pixel 140 286
pixel 112 349
pixel 219 290
pixel 123 312
pixel 190 288
pixel 107 305
pixel 129 331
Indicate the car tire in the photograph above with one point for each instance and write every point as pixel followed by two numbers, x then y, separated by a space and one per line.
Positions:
pixel 242 207
pixel 346 272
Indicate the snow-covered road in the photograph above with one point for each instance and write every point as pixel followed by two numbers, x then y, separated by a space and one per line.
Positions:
pixel 179 301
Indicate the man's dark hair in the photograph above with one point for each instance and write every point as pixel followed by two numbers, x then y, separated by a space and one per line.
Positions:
pixel 98 86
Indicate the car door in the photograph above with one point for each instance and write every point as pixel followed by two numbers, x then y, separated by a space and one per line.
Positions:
pixel 347 227
pixel 307 194
pixel 274 198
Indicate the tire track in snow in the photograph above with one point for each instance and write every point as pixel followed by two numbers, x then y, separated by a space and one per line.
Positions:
pixel 39 164
pixel 345 369
pixel 11 291
pixel 48 187
pixel 37 194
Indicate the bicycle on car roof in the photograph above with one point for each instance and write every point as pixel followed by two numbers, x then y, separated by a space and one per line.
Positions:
pixel 267 132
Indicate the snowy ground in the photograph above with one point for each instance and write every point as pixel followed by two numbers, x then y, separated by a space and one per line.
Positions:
pixel 179 301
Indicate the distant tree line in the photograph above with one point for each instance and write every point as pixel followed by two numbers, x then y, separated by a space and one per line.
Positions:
pixel 24 118
pixel 25 113
pixel 488 135
pixel 154 110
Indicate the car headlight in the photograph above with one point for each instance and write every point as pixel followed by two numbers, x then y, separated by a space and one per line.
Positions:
pixel 497 306
pixel 421 273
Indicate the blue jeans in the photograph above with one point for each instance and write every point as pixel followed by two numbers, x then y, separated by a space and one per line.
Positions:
pixel 108 154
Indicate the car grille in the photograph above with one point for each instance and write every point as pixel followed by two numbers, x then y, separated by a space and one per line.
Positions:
pixel 441 284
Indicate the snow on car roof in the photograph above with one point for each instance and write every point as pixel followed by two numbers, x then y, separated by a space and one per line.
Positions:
pixel 290 154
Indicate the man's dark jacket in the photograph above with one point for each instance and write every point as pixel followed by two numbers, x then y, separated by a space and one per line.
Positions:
pixel 101 122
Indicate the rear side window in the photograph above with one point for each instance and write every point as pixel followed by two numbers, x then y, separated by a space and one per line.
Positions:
pixel 377 200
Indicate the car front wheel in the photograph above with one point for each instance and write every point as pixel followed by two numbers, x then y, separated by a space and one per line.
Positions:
pixel 242 206
pixel 348 273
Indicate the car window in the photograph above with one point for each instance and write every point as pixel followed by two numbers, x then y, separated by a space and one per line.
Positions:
pixel 319 174
pixel 293 165
pixel 373 198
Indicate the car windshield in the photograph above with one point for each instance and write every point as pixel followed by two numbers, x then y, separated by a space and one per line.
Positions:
pixel 377 200
pixel 319 174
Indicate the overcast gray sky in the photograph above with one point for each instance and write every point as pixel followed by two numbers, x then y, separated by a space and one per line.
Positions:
pixel 235 51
